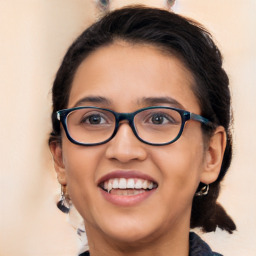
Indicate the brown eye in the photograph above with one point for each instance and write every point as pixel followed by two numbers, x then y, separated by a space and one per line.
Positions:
pixel 157 119
pixel 96 119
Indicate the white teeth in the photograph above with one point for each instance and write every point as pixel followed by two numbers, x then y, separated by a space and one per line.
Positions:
pixel 121 192
pixel 145 184
pixel 138 184
pixel 115 183
pixel 150 185
pixel 125 192
pixel 131 183
pixel 122 183
pixel 105 185
pixel 109 186
pixel 136 192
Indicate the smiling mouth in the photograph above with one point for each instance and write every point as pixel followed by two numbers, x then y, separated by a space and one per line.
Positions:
pixel 127 187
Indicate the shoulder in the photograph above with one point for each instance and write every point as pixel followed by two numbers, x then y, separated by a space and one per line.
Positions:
pixel 198 247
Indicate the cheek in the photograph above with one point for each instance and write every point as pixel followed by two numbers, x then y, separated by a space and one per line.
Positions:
pixel 81 165
pixel 81 160
pixel 78 162
pixel 181 164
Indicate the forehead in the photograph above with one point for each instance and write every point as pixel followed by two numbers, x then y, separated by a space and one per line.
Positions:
pixel 125 73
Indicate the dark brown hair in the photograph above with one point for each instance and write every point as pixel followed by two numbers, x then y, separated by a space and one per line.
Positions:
pixel 193 45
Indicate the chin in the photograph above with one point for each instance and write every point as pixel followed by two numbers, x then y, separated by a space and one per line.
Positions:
pixel 130 227
pixel 131 236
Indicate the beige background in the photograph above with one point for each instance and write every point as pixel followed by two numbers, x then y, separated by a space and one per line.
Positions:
pixel 34 37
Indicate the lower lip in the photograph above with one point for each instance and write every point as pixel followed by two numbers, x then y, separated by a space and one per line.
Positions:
pixel 126 200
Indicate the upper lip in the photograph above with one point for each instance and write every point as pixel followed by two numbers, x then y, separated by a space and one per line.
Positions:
pixel 125 174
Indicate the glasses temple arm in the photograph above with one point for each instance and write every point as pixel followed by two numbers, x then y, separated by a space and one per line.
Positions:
pixel 201 119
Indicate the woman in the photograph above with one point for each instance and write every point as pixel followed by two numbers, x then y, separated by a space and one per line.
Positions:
pixel 141 139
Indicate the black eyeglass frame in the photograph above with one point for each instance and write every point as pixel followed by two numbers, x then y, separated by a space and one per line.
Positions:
pixel 185 116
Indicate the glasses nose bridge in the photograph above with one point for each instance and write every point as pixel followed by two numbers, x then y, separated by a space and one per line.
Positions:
pixel 124 116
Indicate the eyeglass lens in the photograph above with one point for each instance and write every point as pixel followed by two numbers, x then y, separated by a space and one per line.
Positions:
pixel 89 126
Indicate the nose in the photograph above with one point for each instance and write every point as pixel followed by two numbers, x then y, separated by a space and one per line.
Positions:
pixel 125 147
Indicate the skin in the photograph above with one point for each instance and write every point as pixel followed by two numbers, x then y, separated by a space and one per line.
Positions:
pixel 159 224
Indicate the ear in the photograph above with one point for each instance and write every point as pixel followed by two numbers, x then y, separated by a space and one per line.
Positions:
pixel 59 166
pixel 214 156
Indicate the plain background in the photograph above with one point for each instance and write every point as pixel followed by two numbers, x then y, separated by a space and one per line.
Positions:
pixel 34 37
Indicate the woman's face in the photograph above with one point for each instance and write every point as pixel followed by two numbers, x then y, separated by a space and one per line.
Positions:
pixel 124 78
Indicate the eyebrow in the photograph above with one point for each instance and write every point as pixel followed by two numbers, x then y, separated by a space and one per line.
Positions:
pixel 92 99
pixel 149 101
pixel 161 100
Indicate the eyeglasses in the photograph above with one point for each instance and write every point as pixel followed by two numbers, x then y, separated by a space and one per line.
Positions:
pixel 156 126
